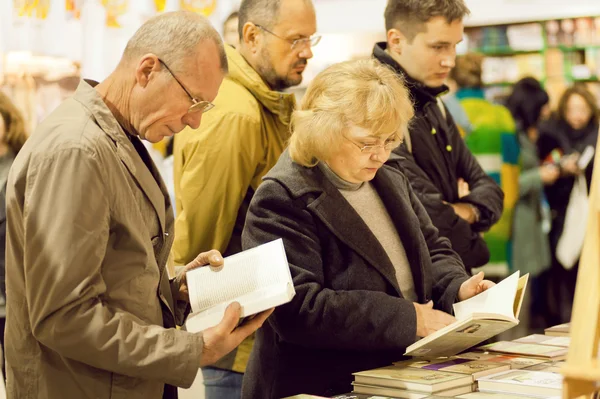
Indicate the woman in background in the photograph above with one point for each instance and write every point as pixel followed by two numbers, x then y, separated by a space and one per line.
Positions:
pixel 528 104
pixel 493 142
pixel 566 135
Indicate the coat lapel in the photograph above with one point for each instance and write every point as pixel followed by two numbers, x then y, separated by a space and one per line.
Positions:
pixel 343 221
pixel 406 222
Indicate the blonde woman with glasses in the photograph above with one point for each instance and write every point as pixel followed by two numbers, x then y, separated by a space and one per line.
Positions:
pixel 370 271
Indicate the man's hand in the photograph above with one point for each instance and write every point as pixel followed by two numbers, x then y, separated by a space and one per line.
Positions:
pixel 474 286
pixel 430 320
pixel 465 211
pixel 212 258
pixel 463 188
pixel 225 337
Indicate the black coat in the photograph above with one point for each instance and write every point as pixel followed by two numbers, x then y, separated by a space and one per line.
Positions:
pixel 555 134
pixel 348 314
pixel 439 157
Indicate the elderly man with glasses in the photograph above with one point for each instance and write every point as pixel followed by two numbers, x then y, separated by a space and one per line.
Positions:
pixel 92 307
pixel 218 167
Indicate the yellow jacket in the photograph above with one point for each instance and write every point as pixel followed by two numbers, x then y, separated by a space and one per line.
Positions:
pixel 218 167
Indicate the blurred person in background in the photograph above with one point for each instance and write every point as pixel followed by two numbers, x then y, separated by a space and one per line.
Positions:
pixel 218 167
pixel 566 135
pixel 368 282
pixel 461 199
pixel 230 30
pixel 528 103
pixel 456 109
pixel 12 137
pixel 494 144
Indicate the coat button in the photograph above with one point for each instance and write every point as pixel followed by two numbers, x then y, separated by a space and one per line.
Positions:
pixel 433 131
pixel 166 234
pixel 448 148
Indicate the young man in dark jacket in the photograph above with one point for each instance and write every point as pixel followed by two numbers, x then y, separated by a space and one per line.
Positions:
pixel 460 198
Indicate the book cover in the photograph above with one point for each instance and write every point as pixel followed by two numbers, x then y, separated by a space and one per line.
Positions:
pixel 411 379
pixel 515 362
pixel 474 368
pixel 524 382
pixel 561 330
pixel 478 319
pixel 530 350
pixel 550 367
pixel 402 393
pixel 492 395
pixel 259 279
pixel 562 342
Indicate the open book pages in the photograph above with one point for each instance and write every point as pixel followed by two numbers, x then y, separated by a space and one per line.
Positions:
pixel 478 319
pixel 523 382
pixel 259 279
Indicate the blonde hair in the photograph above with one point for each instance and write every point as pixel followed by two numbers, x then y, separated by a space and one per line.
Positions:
pixel 362 93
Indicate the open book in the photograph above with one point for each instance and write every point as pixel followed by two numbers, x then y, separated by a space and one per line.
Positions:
pixel 259 279
pixel 479 318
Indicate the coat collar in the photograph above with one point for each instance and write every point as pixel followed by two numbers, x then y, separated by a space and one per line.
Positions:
pixel 278 103
pixel 153 188
pixel 421 94
pixel 346 224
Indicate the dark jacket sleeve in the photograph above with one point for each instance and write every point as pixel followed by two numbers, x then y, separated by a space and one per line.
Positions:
pixel 318 316
pixel 485 194
pixel 447 271
pixel 469 245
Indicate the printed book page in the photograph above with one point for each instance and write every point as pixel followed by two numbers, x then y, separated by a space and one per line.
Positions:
pixel 255 278
pixel 498 299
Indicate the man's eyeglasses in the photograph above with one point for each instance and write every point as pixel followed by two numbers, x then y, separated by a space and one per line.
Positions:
pixel 389 145
pixel 298 43
pixel 197 105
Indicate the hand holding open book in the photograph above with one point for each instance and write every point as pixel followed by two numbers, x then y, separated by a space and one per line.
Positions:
pixel 477 319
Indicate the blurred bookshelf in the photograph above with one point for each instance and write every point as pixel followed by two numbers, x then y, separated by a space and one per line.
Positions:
pixel 558 53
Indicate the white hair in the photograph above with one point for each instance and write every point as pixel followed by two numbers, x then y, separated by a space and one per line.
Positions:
pixel 173 37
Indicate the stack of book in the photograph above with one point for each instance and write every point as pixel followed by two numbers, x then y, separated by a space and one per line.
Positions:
pixel 403 381
pixel 539 384
pixel 561 330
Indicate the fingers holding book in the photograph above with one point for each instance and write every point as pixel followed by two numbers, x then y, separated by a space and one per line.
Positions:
pixel 227 335
pixel 430 320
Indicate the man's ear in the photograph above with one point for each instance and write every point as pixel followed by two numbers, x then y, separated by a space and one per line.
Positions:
pixel 146 66
pixel 396 40
pixel 250 36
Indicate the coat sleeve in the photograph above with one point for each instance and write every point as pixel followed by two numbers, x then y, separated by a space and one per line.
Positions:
pixel 212 176
pixel 469 245
pixel 485 193
pixel 530 180
pixel 66 215
pixel 448 270
pixel 318 316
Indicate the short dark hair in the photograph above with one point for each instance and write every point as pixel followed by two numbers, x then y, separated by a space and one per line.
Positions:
pixel 410 16
pixel 262 12
pixel 526 102
pixel 589 98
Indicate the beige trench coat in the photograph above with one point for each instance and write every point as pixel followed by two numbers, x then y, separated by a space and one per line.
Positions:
pixel 90 310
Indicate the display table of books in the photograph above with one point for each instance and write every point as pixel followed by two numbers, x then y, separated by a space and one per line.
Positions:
pixel 527 367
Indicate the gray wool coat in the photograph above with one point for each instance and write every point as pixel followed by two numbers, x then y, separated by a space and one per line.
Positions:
pixel 348 314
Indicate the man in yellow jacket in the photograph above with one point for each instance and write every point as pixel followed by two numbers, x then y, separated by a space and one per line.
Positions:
pixel 218 167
